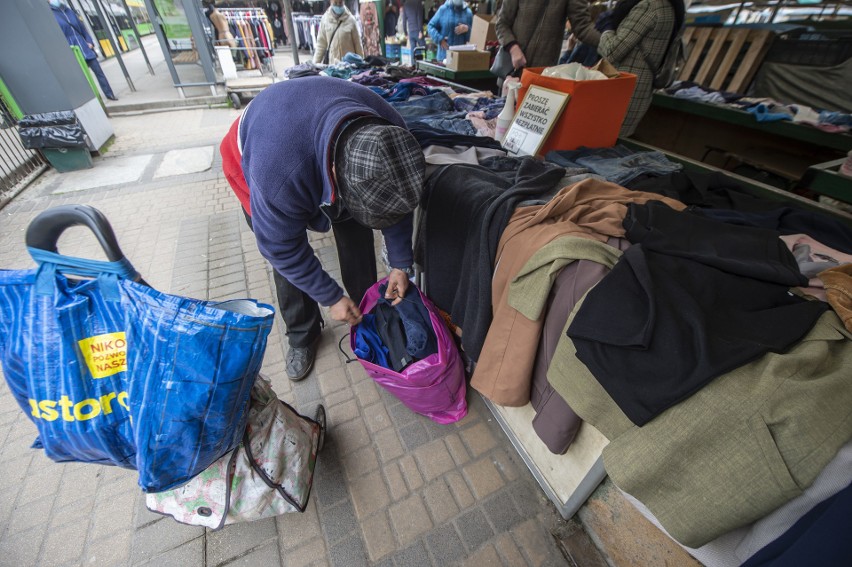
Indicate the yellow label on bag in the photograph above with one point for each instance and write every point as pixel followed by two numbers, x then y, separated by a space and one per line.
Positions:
pixel 105 354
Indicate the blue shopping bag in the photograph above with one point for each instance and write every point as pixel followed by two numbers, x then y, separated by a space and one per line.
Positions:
pixel 112 371
pixel 63 350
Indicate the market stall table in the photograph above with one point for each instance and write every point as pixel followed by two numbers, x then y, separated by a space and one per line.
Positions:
pixel 478 80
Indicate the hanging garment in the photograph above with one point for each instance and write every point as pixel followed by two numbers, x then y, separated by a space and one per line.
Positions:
pixel 370 35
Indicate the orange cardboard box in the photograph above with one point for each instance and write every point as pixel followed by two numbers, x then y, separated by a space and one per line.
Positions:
pixel 594 113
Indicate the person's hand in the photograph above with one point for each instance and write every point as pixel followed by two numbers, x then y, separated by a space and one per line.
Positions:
pixel 519 61
pixel 461 28
pixel 345 310
pixel 91 45
pixel 444 44
pixel 572 42
pixel 397 286
pixel 420 35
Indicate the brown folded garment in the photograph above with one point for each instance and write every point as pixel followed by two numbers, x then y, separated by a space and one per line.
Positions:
pixel 838 290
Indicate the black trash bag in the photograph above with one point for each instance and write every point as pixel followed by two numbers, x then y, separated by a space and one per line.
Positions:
pixel 51 130
pixel 61 118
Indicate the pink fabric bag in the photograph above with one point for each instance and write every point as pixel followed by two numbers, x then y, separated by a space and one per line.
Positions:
pixel 434 386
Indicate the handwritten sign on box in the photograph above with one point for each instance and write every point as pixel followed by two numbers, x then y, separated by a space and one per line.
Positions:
pixel 534 119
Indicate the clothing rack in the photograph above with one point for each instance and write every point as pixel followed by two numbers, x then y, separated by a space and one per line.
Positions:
pixel 253 33
pixel 307 27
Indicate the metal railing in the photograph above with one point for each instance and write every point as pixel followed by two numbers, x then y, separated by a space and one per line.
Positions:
pixel 18 165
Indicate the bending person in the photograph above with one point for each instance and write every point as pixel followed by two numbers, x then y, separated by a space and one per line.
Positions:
pixel 345 162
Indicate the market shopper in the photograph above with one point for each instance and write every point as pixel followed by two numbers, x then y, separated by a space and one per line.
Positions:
pixel 338 35
pixel 412 14
pixel 532 30
pixel 636 39
pixel 77 35
pixel 450 26
pixel 341 159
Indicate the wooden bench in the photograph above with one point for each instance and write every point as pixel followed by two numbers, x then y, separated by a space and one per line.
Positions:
pixel 185 57
pixel 724 58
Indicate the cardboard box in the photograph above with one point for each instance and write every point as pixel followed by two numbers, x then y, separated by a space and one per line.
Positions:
pixel 469 60
pixel 594 113
pixel 482 31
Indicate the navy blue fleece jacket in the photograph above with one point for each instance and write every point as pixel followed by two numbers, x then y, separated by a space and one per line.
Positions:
pixel 287 134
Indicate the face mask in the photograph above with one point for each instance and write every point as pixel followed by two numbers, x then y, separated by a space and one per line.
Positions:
pixel 339 10
pixel 458 3
pixel 56 3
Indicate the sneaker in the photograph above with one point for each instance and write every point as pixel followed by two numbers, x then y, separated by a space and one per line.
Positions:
pixel 300 361
pixel 112 97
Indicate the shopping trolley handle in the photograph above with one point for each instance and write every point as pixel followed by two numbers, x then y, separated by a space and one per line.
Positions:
pixel 44 230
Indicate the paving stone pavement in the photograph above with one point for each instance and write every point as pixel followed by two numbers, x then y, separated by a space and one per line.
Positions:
pixel 392 488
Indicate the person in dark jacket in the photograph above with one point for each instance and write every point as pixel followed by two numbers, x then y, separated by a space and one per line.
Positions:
pixel 344 162
pixel 412 13
pixel 76 34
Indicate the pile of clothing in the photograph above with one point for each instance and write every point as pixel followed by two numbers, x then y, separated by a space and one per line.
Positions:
pixel 765 109
pixel 706 332
pixel 394 336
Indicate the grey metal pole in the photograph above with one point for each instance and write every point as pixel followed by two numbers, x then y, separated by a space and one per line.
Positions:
pixel 157 21
pixel 288 15
pixel 138 37
pixel 115 48
pixel 192 10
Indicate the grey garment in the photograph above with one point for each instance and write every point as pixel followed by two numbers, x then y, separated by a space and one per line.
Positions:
pixel 641 39
pixel 412 14
pixel 811 264
pixel 819 87
pixel 555 423
pixel 538 26
pixel 582 25
pixel 437 156
pixel 737 546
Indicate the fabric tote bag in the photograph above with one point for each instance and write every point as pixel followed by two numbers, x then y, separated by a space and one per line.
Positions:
pixel 270 473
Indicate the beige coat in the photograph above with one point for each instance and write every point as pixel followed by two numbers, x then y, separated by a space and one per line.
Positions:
pixel 339 43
